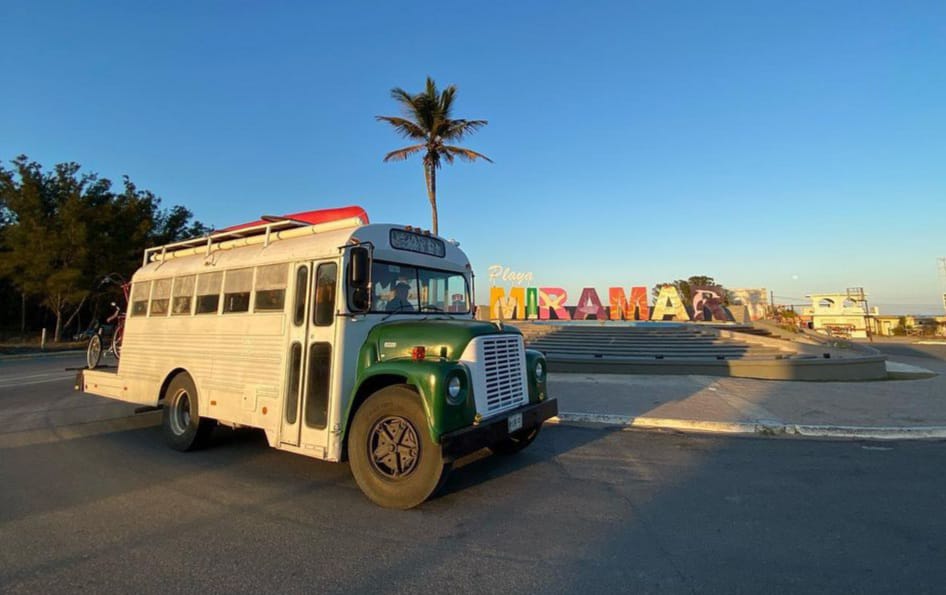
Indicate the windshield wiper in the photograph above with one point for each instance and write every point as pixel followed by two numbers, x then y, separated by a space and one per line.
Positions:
pixel 401 308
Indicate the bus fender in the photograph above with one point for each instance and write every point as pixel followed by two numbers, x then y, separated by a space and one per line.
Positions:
pixel 426 378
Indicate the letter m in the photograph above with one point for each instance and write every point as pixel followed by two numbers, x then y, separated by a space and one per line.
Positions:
pixel 624 309
pixel 507 308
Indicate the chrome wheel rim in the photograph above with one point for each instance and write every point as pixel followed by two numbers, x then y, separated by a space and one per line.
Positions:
pixel 94 352
pixel 393 447
pixel 180 412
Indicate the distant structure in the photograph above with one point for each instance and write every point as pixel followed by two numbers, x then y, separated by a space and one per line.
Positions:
pixel 843 314
pixel 755 303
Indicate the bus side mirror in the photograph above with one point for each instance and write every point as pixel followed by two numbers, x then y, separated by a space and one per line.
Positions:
pixel 358 278
pixel 359 266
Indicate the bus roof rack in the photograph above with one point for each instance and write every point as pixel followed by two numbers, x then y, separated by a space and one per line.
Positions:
pixel 264 231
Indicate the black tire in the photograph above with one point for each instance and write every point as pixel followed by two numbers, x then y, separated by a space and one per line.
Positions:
pixel 93 353
pixel 117 342
pixel 516 441
pixel 183 427
pixel 413 469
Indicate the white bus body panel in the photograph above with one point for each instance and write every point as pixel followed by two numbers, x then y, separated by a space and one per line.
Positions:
pixel 239 361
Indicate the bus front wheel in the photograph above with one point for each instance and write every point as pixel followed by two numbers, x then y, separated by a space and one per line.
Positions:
pixel 183 427
pixel 393 459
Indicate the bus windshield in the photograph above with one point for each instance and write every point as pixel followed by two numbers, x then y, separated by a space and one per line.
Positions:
pixel 405 289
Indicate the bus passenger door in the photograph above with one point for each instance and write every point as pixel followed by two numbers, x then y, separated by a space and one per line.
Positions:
pixel 298 333
pixel 310 422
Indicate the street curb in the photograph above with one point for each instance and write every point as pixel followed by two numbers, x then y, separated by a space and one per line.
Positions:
pixel 901 371
pixel 762 427
pixel 16 356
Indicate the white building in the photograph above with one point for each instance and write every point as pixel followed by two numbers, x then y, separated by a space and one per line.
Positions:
pixel 843 314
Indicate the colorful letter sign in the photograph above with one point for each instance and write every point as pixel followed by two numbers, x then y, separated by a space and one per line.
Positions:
pixel 590 305
pixel 553 299
pixel 518 301
pixel 622 309
pixel 669 304
pixel 507 308
pixel 708 304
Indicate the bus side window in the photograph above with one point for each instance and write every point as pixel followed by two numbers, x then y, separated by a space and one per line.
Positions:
pixel 182 295
pixel 160 296
pixel 208 292
pixel 236 290
pixel 295 375
pixel 325 294
pixel 139 298
pixel 302 287
pixel 271 283
pixel 320 372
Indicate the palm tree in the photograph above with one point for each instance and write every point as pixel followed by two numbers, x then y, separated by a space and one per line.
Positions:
pixel 427 119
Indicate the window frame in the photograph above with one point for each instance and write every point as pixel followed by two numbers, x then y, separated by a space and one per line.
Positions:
pixel 285 289
pixel 418 311
pixel 167 300
pixel 191 297
pixel 147 301
pixel 316 321
pixel 249 294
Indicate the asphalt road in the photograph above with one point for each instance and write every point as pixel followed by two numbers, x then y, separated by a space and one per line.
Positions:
pixel 36 394
pixel 582 510
pixel 932 357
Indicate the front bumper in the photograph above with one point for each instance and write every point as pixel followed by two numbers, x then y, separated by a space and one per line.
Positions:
pixel 463 442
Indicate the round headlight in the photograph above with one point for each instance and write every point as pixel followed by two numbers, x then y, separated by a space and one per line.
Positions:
pixel 539 370
pixel 453 388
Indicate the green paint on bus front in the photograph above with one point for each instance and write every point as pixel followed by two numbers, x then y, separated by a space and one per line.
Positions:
pixel 386 358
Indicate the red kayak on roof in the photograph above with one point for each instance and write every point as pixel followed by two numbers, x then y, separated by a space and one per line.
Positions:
pixel 311 217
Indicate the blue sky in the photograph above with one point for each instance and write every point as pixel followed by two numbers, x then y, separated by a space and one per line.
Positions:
pixel 795 146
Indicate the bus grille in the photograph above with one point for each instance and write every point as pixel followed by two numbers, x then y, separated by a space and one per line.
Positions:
pixel 503 359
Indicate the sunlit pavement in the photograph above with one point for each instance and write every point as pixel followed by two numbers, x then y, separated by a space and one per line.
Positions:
pixel 589 510
pixel 904 408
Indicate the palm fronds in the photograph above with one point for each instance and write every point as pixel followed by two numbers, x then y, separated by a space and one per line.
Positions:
pixel 426 118
pixel 402 154
pixel 449 152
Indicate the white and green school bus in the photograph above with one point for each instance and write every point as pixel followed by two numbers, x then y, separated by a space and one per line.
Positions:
pixel 342 340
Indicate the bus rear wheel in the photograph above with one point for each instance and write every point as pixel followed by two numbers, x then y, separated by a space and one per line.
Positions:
pixel 393 459
pixel 182 425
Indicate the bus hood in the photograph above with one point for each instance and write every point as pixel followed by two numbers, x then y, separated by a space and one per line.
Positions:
pixel 396 339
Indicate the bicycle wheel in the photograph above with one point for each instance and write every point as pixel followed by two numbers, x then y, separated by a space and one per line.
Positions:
pixel 117 341
pixel 93 353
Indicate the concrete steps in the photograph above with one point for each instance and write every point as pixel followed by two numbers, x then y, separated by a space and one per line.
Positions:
pixel 640 343
pixel 676 348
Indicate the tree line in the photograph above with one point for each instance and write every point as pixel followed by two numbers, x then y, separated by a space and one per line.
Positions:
pixel 62 230
pixel 686 288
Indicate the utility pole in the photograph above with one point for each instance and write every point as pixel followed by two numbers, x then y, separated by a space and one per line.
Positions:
pixel 857 294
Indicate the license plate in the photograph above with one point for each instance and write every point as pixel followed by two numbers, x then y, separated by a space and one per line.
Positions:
pixel 515 422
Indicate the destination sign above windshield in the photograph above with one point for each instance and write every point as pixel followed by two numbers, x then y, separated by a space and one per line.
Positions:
pixel 415 242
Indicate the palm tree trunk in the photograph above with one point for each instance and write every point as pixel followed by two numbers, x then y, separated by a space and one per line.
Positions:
pixel 431 175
